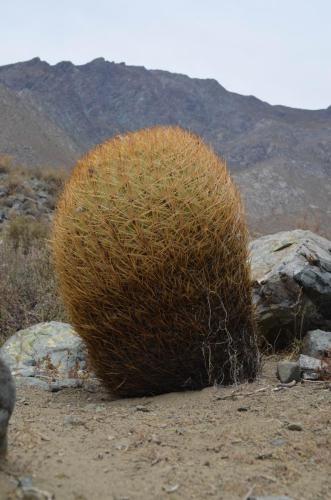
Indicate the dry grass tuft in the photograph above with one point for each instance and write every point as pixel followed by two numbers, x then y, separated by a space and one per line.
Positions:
pixel 54 178
pixel 150 245
pixel 27 284
pixel 5 164
pixel 24 232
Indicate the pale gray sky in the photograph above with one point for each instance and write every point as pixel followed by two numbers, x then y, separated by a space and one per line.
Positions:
pixel 277 50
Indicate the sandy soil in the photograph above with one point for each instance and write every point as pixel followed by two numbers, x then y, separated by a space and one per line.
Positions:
pixel 222 443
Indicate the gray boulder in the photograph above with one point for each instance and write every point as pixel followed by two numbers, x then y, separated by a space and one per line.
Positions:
pixel 291 273
pixel 48 355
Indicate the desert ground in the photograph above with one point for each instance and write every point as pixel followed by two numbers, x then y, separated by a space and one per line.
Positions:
pixel 222 443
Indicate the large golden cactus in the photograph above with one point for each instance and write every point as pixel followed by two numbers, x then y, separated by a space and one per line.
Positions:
pixel 150 246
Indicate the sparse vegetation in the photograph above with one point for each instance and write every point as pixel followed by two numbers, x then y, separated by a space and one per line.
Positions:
pixel 25 233
pixel 27 283
pixel 5 164
pixel 28 191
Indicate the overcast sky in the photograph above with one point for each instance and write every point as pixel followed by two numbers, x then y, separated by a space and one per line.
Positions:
pixel 277 50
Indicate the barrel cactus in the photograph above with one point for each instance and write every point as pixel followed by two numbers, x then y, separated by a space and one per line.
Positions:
pixel 150 247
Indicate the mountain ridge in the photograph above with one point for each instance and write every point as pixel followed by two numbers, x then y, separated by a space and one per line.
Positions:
pixel 78 106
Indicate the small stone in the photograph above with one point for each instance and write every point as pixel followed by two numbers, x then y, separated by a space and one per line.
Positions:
pixel 311 375
pixel 25 482
pixel 142 408
pixel 71 420
pixel 31 493
pixel 242 408
pixel 122 445
pixel 264 456
pixel 294 427
pixel 268 497
pixel 155 439
pixel 99 408
pixel 278 442
pixel 171 488
pixel 287 371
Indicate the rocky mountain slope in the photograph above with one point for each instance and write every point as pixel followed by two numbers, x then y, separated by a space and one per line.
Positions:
pixel 28 135
pixel 280 156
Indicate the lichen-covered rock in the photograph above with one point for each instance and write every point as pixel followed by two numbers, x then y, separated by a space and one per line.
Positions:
pixel 291 273
pixel 47 355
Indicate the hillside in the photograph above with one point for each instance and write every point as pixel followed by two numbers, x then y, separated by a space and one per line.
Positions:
pixel 28 135
pixel 280 156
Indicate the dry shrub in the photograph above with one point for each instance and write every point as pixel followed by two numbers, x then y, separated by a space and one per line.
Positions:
pixel 14 182
pixel 54 178
pixel 24 232
pixel 150 245
pixel 27 283
pixel 5 164
pixel 17 177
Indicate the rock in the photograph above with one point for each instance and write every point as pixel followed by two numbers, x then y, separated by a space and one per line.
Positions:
pixel 49 356
pixel 291 273
pixel 287 371
pixel 243 408
pixel 25 482
pixel 316 343
pixel 142 408
pixel 268 497
pixel 278 441
pixel 7 403
pixel 307 363
pixel 31 493
pixel 42 194
pixel 72 420
pixel 32 381
pixel 2 216
pixel 314 368
pixel 295 427
pixel 264 456
pixel 65 383
pixel 311 376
